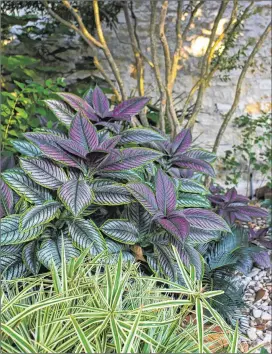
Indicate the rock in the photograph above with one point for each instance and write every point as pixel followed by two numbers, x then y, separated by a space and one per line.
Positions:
pixel 267 338
pixel 257 313
pixel 244 347
pixel 251 332
pixel 266 316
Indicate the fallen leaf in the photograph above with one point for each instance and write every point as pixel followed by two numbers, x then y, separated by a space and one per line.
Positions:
pixel 138 251
pixel 259 295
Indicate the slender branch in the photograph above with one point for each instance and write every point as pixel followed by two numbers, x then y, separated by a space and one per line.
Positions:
pixel 233 19
pixel 106 50
pixel 154 53
pixel 164 42
pixel 167 59
pixel 180 38
pixel 138 60
pixel 216 66
pixel 97 63
pixel 193 14
pixel 82 27
pixel 177 53
pixel 205 65
pixel 247 64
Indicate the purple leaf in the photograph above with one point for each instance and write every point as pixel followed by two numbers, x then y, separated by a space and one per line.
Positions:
pixel 115 127
pixel 6 162
pixel 176 225
pixel 266 243
pixel 48 145
pixel 262 259
pixel 6 199
pixel 258 233
pixel 193 164
pixel 205 219
pixel 180 173
pixel 253 212
pixel 43 121
pixel 144 195
pixel 201 155
pixel 182 141
pixel 110 143
pixel 95 158
pixel 237 215
pixel 73 148
pixel 84 133
pixel 100 102
pixel 79 105
pixel 129 158
pixel 217 199
pixel 130 107
pixel 88 96
pixel 165 193
pixel 231 195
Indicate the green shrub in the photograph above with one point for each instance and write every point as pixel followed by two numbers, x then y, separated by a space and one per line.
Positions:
pixel 254 153
pixel 21 108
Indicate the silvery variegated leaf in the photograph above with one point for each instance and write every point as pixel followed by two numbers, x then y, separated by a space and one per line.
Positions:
pixel 140 136
pixel 30 258
pixel 25 187
pixel 109 193
pixel 198 236
pixel 85 234
pixel 140 218
pixel 122 175
pixel 166 261
pixel 11 233
pixel 15 270
pixel 76 195
pixel 44 172
pixel 62 111
pixel 8 258
pixel 195 259
pixel 190 186
pixel 51 249
pixel 26 148
pixel 188 200
pixel 121 231
pixel 205 219
pixel 39 215
pixel 201 155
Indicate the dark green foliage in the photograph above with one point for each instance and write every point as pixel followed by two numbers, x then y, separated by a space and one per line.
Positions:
pixel 245 158
pixel 24 109
pixel 108 9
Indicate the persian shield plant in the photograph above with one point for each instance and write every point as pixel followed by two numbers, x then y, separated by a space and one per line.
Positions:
pixel 105 186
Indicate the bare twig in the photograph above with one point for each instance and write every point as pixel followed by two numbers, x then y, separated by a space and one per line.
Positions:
pixel 247 64
pixel 177 53
pixel 154 53
pixel 106 50
pixel 167 59
pixel 205 65
pixel 82 27
pixel 191 19
pixel 138 59
pixel 97 63
pixel 231 30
